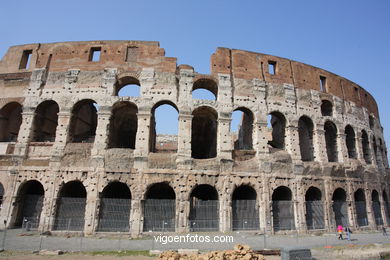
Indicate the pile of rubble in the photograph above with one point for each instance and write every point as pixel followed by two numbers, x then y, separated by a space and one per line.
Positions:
pixel 240 252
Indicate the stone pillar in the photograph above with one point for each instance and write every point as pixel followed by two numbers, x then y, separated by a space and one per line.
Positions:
pixel 383 210
pixel 263 206
pixel 184 140
pixel 292 141
pixel 319 143
pixel 102 132
pixel 329 217
pixel 300 208
pixel 359 147
pixel 21 146
pixel 61 133
pixel 182 208
pixel 91 208
pixel 351 207
pixel 136 217
pixel 342 151
pixel 369 209
pixel 225 206
pixel 142 139
pixel 224 142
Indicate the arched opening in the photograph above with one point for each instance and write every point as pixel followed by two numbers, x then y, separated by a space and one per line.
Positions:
pixel 375 148
pixel 350 142
pixel 376 207
pixel 326 108
pixel 305 129
pixel 361 211
pixel 1 195
pixel 204 133
pixel 45 122
pixel 10 121
pixel 242 128
pixel 127 87
pixel 28 206
pixel 277 127
pixel 383 153
pixel 123 126
pixel 115 203
pixel 387 205
pixel 282 209
pixel 164 128
pixel 205 89
pixel 70 213
pixel 204 209
pixel 339 206
pixel 83 122
pixel 331 141
pixel 366 147
pixel 314 209
pixel 159 208
pixel 245 209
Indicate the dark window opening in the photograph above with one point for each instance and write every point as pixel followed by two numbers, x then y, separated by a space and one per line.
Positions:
pixel 70 210
pixel 277 126
pixel 26 59
pixel 350 142
pixel 29 204
pixel 205 89
pixel 366 147
pixel 360 205
pixel 10 121
pixel 242 129
pixel 245 211
pixel 305 129
pixel 357 93
pixel 376 208
pixel 159 208
pixel 314 209
pixel 323 83
pixel 127 87
pixel 376 153
pixel 115 204
pixel 326 108
pixel 83 122
pixel 340 207
pixel 204 133
pixel 331 141
pixel 94 54
pixel 204 209
pixel 123 126
pixel 371 122
pixel 1 195
pixel 45 122
pixel 313 194
pixel 283 209
pixel 272 67
pixel 164 128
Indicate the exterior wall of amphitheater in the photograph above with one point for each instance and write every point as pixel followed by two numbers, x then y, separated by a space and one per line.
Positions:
pixel 240 80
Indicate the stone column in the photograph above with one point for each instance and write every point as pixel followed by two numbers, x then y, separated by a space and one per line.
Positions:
pixel 292 141
pixel 102 132
pixel 300 208
pixel 342 152
pixel 319 143
pixel 369 209
pixel 91 208
pixel 351 207
pixel 383 210
pixel 61 133
pixel 142 139
pixel 224 142
pixel 136 216
pixel 21 146
pixel 359 147
pixel 184 141
pixel 329 217
pixel 225 206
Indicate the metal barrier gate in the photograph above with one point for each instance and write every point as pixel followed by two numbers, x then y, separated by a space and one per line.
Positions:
pixel 114 215
pixel 340 213
pixel 159 215
pixel 245 215
pixel 204 215
pixel 283 215
pixel 315 214
pixel 376 207
pixel 387 211
pixel 32 208
pixel 70 214
pixel 361 213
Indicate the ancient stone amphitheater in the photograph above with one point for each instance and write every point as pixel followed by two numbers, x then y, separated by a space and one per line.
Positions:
pixel 76 155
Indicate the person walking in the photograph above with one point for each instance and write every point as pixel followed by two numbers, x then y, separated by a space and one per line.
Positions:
pixel 384 232
pixel 340 232
pixel 348 233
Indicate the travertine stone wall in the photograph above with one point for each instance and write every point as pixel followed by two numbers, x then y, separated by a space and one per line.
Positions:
pixel 63 72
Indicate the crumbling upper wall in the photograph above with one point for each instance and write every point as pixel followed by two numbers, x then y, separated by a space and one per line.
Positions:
pixel 250 65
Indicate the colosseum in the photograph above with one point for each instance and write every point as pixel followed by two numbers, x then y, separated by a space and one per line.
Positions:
pixel 77 155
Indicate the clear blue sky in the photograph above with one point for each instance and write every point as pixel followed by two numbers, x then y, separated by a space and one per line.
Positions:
pixel 350 38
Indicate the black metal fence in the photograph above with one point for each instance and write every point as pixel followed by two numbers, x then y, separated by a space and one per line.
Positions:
pixel 70 214
pixel 245 215
pixel 315 214
pixel 204 215
pixel 340 213
pixel 114 215
pixel 159 215
pixel 283 215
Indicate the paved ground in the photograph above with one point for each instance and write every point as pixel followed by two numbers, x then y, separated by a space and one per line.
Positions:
pixel 17 239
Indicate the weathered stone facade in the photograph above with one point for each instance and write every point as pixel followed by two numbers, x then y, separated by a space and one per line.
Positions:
pixel 324 143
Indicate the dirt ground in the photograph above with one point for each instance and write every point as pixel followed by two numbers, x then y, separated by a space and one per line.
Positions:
pixel 30 256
